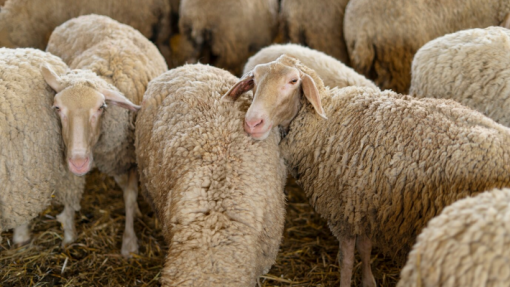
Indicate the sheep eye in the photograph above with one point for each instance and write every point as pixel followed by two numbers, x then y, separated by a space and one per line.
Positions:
pixel 293 81
pixel 102 107
pixel 56 108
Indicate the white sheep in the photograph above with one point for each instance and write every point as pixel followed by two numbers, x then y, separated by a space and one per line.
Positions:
pixel 226 32
pixel 382 164
pixel 333 72
pixel 466 245
pixel 382 36
pixel 218 194
pixel 323 17
pixel 29 23
pixel 123 59
pixel 31 155
pixel 470 67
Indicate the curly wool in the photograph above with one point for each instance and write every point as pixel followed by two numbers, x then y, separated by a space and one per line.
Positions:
pixel 231 29
pixel 218 194
pixel 322 17
pixel 470 67
pixel 383 164
pixel 382 36
pixel 32 163
pixel 466 245
pixel 333 72
pixel 120 56
pixel 27 23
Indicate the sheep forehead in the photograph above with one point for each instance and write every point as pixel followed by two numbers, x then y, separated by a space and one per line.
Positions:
pixel 275 71
pixel 80 97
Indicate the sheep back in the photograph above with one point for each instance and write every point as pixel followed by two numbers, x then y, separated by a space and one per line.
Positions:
pixel 218 194
pixel 32 163
pixel 466 245
pixel 470 67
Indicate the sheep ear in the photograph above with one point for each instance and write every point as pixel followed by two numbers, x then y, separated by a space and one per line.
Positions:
pixel 118 99
pixel 312 94
pixel 51 78
pixel 506 22
pixel 244 85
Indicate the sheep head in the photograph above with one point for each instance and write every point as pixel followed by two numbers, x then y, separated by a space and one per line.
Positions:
pixel 278 88
pixel 80 108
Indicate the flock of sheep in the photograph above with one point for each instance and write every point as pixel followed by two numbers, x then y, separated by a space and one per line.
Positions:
pixel 388 151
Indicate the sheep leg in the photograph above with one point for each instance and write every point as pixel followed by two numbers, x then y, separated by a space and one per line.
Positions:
pixel 346 259
pixel 21 235
pixel 129 240
pixel 66 218
pixel 364 246
pixel 123 180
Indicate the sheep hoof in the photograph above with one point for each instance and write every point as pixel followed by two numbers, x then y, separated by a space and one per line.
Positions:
pixel 21 235
pixel 129 246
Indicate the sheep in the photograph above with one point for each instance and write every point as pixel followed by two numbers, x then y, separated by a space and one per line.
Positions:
pixel 113 64
pixel 218 194
pixel 466 245
pixel 382 164
pixel 470 67
pixel 322 17
pixel 31 159
pixel 225 33
pixel 382 36
pixel 28 23
pixel 333 72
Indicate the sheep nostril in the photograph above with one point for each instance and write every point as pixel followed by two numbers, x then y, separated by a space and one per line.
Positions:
pixel 254 123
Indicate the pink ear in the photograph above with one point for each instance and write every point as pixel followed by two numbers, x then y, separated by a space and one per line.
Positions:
pixel 506 22
pixel 312 94
pixel 244 85
pixel 51 78
pixel 118 99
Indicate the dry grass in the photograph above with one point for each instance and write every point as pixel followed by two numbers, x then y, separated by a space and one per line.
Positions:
pixel 308 255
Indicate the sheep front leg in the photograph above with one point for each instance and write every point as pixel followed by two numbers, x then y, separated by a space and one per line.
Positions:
pixel 66 218
pixel 346 259
pixel 130 188
pixel 364 246
pixel 21 235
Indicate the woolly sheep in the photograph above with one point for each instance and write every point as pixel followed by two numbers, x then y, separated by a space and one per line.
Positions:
pixel 382 36
pixel 333 72
pixel 122 58
pixel 466 245
pixel 29 23
pixel 322 17
pixel 31 158
pixel 225 33
pixel 382 164
pixel 470 67
pixel 218 194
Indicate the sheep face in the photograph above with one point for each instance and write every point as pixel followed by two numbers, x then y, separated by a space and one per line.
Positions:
pixel 80 108
pixel 278 88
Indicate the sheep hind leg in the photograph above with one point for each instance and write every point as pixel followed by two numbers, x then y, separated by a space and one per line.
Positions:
pixel 130 188
pixel 346 260
pixel 21 235
pixel 364 246
pixel 66 218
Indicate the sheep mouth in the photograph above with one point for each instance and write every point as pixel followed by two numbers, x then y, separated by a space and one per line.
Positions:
pixel 79 168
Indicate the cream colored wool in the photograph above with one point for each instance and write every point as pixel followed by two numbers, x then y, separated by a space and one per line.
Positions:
pixel 382 36
pixel 466 245
pixel 218 193
pixel 227 32
pixel 383 164
pixel 471 67
pixel 333 72
pixel 29 23
pixel 316 24
pixel 120 56
pixel 32 163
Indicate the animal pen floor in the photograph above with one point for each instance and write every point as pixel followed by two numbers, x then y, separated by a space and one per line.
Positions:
pixel 307 257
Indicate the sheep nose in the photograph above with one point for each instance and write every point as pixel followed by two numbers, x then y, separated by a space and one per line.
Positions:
pixel 252 124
